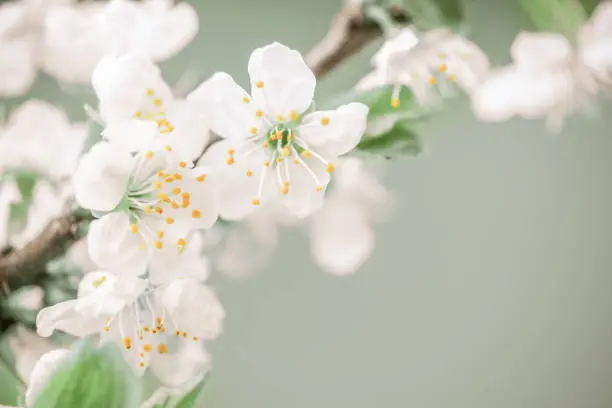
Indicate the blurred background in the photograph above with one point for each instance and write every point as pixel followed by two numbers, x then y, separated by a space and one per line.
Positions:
pixel 489 288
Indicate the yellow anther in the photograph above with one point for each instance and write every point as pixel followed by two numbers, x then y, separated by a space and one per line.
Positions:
pixel 395 103
pixel 231 151
pixel 452 77
pixel 306 154
pixel 185 203
pixel 246 99
pixel 230 160
pixel 432 80
pixel 161 173
pixel 168 148
pixel 163 197
pixel 280 117
pixel 185 334
pixel 253 131
pixel 169 179
pixel 285 189
pixel 319 188
pixel 296 161
pixel 183 164
pixel 178 332
pixel 279 159
pixel 178 176
pixel 279 135
pixel 96 283
pixel 174 204
pixel 256 201
pixel 134 228
pixel 259 113
pixel 157 102
pixel 148 209
pixel 149 154
pixel 159 244
pixel 107 329
pixel 259 84
pixel 266 145
pixel 195 338
pixel 180 245
pixel 286 151
pixel 160 234
pixel 185 195
pixel 196 214
pixel 169 220
pixel 127 342
pixel 161 348
pixel 146 329
pixel 249 173
pixel 159 210
pixel 157 184
pixel 443 68
pixel 330 168
pixel 142 364
pixel 267 163
pixel 176 190
pixel 201 177
pixel 325 121
pixel 138 114
pixel 154 331
pixel 147 348
pixel 150 91
pixel 293 115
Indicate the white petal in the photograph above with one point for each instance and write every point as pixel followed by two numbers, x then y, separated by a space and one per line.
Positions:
pixel 336 132
pixel 374 79
pixel 287 84
pixel 236 189
pixel 541 51
pixel 114 247
pixel 104 294
pixel 303 197
pixel 28 347
pixel 222 102
pixel 42 373
pixel 178 368
pixel 63 317
pixel 183 296
pixel 496 98
pixel 341 238
pixel 131 135
pixel 17 66
pixel 102 177
pixel 121 84
pixel 191 133
pixel 189 264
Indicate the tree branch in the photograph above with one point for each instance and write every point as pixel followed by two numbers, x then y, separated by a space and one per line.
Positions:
pixel 350 31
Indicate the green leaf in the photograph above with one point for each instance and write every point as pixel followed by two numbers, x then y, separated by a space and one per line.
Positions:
pixel 428 14
pixel 399 140
pixel 561 16
pixel 94 377
pixel 590 5
pixel 190 399
pixel 25 180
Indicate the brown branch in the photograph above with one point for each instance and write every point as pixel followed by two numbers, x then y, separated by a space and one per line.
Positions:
pixel 26 266
pixel 350 31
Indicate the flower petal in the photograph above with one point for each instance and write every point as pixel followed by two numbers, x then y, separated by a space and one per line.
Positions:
pixel 341 239
pixel 104 294
pixel 131 135
pixel 102 177
pixel 336 132
pixel 17 66
pixel 178 368
pixel 222 102
pixel 191 133
pixel 62 316
pixel 113 246
pixel 236 189
pixel 42 373
pixel 183 296
pixel 128 85
pixel 540 51
pixel 189 264
pixel 281 80
pixel 305 193
pixel 496 99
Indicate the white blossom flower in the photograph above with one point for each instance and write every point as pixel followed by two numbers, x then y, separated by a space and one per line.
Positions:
pixel 148 206
pixel 42 373
pixel 78 36
pixel 133 96
pixel 156 327
pixel 268 141
pixel 38 136
pixel 28 298
pixel 342 233
pixel 549 79
pixel 440 57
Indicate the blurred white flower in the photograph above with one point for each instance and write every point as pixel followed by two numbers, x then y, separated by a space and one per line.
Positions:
pixel 27 347
pixel 39 137
pixel 157 327
pixel 148 206
pixel 27 298
pixel 77 36
pixel 133 95
pixel 440 57
pixel 42 373
pixel 549 79
pixel 342 235
pixel 268 141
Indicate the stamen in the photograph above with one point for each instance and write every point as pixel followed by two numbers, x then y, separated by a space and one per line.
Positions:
pixel 443 68
pixel 169 220
pixel 161 348
pixel 196 214
pixel 245 99
pixel 201 177
pixel 259 113
pixel 325 121
pixel 149 155
pixel 395 102
pixel 432 80
pixel 259 84
pixel 293 115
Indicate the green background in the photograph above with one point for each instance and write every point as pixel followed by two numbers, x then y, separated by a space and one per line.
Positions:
pixel 490 287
